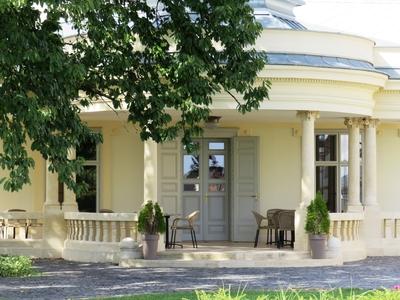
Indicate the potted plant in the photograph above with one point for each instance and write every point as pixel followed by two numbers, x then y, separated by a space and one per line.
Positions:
pixel 151 223
pixel 317 226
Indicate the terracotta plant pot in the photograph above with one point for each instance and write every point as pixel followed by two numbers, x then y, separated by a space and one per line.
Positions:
pixel 150 245
pixel 318 245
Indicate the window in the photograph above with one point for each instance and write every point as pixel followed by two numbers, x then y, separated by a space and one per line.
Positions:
pixel 332 168
pixel 88 201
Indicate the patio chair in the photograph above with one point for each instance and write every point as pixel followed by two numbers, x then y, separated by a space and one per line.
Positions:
pixel 15 223
pixel 272 231
pixel 189 225
pixel 259 220
pixel 285 225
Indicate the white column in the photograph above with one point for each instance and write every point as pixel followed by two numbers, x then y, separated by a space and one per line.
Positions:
pixel 150 171
pixel 55 230
pixel 69 196
pixel 372 226
pixel 353 125
pixel 370 179
pixel 307 175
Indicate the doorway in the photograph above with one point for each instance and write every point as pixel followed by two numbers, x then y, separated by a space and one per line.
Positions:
pixel 205 187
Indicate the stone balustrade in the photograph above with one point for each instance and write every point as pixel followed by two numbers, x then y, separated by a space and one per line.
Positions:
pixel 20 225
pixel 391 225
pixel 101 227
pixel 346 226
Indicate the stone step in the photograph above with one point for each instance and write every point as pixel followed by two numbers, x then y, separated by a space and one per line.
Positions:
pixel 254 255
pixel 202 263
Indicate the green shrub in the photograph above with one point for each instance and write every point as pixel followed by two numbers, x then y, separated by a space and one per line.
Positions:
pixel 151 219
pixel 317 220
pixel 15 266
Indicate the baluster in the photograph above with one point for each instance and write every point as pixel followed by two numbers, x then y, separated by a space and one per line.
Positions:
pixel 76 233
pixel 389 228
pixel 396 228
pixel 344 230
pixel 98 231
pixel 106 235
pixel 91 231
pixel 68 229
pixel 351 230
pixel 122 230
pixel 114 231
pixel 85 230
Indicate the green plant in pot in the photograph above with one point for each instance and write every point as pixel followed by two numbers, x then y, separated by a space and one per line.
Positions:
pixel 317 226
pixel 151 224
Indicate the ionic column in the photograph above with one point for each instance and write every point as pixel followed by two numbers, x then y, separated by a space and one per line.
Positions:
pixel 307 175
pixel 353 125
pixel 372 225
pixel 370 198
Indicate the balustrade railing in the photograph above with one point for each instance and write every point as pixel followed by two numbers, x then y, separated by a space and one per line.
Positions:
pixel 101 227
pixel 391 225
pixel 346 226
pixel 21 225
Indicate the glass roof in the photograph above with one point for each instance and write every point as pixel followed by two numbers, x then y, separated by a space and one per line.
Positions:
pixel 326 62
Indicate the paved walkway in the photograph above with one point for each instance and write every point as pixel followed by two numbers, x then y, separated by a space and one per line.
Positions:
pixel 64 280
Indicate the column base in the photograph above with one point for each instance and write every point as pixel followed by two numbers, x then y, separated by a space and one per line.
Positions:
pixel 355 208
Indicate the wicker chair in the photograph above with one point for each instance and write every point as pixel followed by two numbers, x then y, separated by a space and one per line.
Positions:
pixel 273 223
pixel 259 220
pixel 189 225
pixel 286 224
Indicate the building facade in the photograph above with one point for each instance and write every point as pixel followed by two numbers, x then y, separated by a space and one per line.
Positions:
pixel 331 125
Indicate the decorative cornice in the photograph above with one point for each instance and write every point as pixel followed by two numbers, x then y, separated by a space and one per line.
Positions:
pixel 353 122
pixel 317 81
pixel 306 115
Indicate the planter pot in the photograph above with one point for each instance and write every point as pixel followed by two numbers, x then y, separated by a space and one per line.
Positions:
pixel 318 245
pixel 150 244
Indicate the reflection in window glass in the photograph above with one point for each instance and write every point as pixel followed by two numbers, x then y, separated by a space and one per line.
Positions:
pixel 191 166
pixel 344 148
pixel 325 145
pixel 87 201
pixel 216 146
pixel 216 187
pixel 344 187
pixel 326 184
pixel 191 187
pixel 216 166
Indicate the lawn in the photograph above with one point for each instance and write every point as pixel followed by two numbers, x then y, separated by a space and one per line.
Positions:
pixel 341 294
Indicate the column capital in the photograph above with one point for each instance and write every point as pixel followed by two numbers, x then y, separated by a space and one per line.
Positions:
pixel 353 122
pixel 370 122
pixel 307 115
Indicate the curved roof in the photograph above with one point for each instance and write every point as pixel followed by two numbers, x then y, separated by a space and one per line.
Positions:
pixel 270 18
pixel 320 61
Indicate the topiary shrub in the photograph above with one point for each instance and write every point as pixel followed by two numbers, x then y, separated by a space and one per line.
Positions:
pixel 15 266
pixel 151 219
pixel 317 220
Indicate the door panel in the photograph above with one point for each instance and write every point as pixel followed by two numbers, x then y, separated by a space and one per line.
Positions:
pixel 246 176
pixel 205 187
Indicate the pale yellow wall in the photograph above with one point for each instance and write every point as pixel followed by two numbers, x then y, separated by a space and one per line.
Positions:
pixel 279 164
pixel 388 167
pixel 31 197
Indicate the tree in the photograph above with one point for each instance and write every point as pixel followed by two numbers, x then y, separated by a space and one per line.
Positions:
pixel 153 60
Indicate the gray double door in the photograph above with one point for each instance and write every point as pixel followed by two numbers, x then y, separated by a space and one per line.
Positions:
pixel 205 184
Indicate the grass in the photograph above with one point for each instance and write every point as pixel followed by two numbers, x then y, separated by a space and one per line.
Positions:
pixel 226 294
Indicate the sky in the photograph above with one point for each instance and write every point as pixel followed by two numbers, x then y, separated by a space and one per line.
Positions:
pixel 376 19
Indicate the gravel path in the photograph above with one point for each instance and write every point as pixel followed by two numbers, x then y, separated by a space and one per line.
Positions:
pixel 65 280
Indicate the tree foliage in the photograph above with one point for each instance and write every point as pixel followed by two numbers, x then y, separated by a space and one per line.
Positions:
pixel 151 219
pixel 156 60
